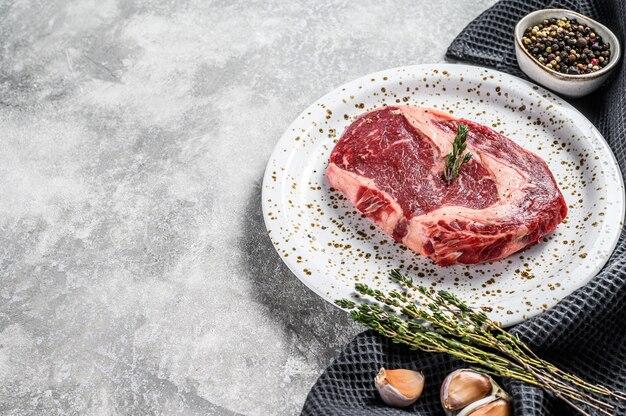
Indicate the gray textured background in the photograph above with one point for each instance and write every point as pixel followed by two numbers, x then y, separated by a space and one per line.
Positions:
pixel 135 273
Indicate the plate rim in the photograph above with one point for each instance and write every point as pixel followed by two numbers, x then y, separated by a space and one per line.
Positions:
pixel 286 135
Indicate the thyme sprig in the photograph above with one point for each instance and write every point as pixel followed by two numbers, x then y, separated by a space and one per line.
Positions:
pixel 455 159
pixel 440 322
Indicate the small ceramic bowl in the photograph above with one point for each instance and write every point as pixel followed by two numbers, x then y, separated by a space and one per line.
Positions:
pixel 565 84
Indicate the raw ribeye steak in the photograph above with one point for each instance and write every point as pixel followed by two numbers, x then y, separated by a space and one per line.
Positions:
pixel 389 164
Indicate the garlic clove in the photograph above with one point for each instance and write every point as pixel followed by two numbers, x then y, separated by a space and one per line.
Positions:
pixel 466 411
pixel 399 388
pixel 463 387
pixel 408 382
pixel 499 407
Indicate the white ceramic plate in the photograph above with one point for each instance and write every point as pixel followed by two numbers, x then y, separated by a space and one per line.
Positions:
pixel 330 246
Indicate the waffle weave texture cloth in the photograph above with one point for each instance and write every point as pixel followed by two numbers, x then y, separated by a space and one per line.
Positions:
pixel 585 333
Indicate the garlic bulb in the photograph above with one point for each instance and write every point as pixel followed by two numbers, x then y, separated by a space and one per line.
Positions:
pixel 399 388
pixel 469 393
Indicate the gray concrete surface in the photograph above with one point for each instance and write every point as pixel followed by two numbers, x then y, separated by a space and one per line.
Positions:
pixel 136 276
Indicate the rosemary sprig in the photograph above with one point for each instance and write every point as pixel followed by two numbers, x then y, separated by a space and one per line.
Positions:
pixel 454 160
pixel 441 322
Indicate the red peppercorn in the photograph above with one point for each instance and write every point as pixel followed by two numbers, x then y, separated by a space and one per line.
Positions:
pixel 594 61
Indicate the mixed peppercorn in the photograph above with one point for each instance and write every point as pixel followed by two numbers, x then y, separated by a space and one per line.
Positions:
pixel 567 46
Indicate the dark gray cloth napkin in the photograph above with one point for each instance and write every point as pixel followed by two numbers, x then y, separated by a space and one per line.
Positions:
pixel 585 333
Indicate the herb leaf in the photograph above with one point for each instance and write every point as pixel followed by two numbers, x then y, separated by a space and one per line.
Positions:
pixel 454 160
